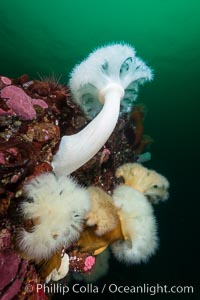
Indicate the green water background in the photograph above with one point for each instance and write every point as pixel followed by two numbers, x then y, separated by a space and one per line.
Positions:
pixel 49 36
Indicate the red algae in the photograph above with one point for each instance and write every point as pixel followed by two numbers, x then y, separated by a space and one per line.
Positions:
pixel 19 102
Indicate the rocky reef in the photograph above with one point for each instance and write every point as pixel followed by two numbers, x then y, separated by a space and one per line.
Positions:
pixel 34 115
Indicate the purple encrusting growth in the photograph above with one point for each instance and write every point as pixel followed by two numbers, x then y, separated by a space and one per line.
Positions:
pixel 39 102
pixel 20 103
pixel 2 159
pixel 13 270
pixel 5 80
pixel 9 264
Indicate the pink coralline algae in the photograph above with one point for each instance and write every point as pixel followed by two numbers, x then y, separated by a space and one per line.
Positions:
pixel 5 238
pixel 9 263
pixel 2 159
pixel 20 103
pixel 9 112
pixel 4 81
pixel 39 102
pixel 13 271
pixel 89 263
pixel 80 262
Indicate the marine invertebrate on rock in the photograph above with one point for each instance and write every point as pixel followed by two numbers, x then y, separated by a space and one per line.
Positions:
pixel 61 272
pixel 57 206
pixel 103 213
pixel 108 76
pixel 102 223
pixel 136 213
pixel 150 183
pixel 138 226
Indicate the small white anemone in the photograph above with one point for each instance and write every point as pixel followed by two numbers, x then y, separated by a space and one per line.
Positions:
pixel 103 213
pixel 58 206
pixel 138 225
pixel 150 183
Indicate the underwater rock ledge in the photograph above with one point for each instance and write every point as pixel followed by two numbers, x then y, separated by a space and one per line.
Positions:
pixel 34 115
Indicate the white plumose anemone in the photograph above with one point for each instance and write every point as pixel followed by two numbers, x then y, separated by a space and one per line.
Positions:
pixel 138 225
pixel 150 183
pixel 57 206
pixel 106 80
